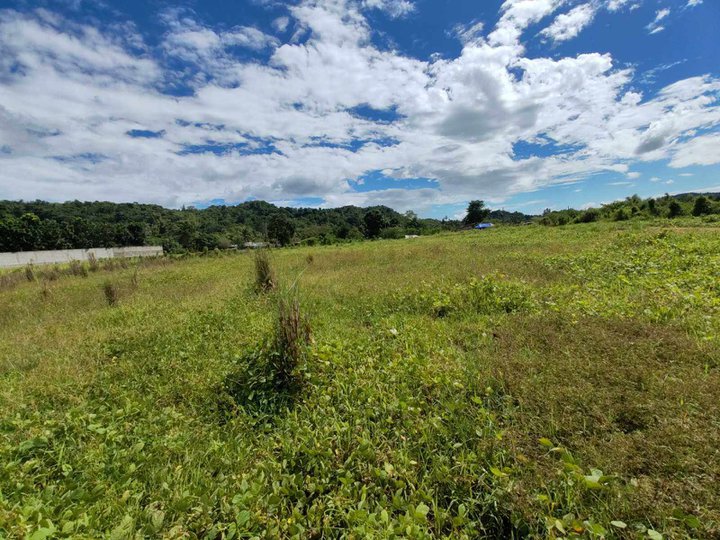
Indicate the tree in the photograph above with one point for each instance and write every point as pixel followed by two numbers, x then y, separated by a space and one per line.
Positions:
pixel 652 207
pixel 374 223
pixel 702 206
pixel 281 229
pixel 476 213
pixel 674 209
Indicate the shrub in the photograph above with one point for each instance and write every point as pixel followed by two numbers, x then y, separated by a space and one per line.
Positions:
pixel 264 274
pixel 674 209
pixel 392 233
pixel 52 274
pixel 621 215
pixel 78 269
pixel 112 295
pixel 93 262
pixel 701 207
pixel 589 216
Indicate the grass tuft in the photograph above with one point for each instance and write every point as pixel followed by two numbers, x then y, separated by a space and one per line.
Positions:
pixel 93 263
pixel 264 274
pixel 111 292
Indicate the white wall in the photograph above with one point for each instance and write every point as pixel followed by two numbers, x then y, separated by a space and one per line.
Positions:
pixel 22 258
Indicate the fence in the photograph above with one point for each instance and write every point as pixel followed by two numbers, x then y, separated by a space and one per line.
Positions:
pixel 22 258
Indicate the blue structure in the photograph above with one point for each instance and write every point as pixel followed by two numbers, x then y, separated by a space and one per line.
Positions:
pixel 483 225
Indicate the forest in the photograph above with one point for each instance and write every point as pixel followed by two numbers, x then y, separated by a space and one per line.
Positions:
pixel 40 225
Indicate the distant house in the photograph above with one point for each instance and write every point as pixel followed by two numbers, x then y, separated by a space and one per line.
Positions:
pixel 412 236
pixel 483 226
pixel 255 245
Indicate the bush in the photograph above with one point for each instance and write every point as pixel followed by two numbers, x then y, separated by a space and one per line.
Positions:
pixel 589 216
pixel 392 233
pixel 264 273
pixel 78 269
pixel 112 295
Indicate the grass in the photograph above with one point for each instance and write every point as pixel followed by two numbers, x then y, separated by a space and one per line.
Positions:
pixel 509 383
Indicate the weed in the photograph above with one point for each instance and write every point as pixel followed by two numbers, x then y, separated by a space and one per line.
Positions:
pixel 93 264
pixel 269 378
pixel 111 292
pixel 134 278
pixel 29 272
pixel 264 273
pixel 45 291
pixel 292 336
pixel 77 268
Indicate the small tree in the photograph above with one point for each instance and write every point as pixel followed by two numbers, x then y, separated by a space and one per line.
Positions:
pixel 281 229
pixel 674 209
pixel 476 213
pixel 702 206
pixel 374 223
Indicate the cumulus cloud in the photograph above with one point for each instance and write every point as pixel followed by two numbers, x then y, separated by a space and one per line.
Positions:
pixel 298 125
pixel 568 25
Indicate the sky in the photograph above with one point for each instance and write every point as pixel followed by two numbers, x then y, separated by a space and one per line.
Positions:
pixel 415 104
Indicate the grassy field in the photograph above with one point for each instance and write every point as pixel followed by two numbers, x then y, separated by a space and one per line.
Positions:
pixel 528 381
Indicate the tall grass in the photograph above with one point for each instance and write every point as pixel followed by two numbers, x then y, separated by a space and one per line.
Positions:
pixel 111 292
pixel 264 274
pixel 292 337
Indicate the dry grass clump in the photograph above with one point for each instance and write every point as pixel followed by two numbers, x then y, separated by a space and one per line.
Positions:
pixel 77 268
pixel 111 292
pixel 29 272
pixel 93 263
pixel 264 274
pixel 292 337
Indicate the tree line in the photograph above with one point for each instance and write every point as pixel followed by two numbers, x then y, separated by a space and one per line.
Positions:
pixel 40 225
pixel 634 207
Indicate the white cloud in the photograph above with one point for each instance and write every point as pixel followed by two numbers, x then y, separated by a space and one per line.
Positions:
pixel 616 5
pixel 568 25
pixel 80 89
pixel 281 23
pixel 693 3
pixel 394 8
pixel 518 15
pixel 633 175
pixel 702 150
pixel 654 27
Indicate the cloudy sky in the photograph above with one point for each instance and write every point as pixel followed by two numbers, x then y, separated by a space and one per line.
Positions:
pixel 416 104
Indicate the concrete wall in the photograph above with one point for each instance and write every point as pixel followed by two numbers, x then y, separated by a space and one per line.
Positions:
pixel 22 258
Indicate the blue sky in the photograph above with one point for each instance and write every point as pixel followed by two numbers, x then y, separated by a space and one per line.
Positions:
pixel 416 104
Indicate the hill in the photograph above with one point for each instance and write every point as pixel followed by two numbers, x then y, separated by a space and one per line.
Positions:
pixel 38 225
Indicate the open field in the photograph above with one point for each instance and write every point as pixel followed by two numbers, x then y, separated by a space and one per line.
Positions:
pixel 527 381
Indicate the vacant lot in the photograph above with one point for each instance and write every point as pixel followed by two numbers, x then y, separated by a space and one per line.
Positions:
pixel 519 381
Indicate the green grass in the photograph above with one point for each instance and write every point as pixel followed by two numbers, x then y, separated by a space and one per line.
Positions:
pixel 551 382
